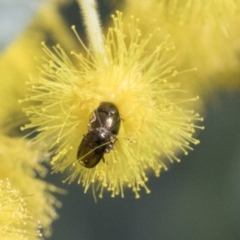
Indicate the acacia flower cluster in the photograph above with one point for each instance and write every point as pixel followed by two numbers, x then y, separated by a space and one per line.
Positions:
pixel 21 163
pixel 205 34
pixel 154 121
pixel 202 12
pixel 16 221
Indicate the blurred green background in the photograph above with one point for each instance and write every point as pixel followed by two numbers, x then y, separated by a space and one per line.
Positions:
pixel 198 199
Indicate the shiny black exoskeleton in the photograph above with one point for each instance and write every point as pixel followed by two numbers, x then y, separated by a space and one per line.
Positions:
pixel 102 134
pixel 92 148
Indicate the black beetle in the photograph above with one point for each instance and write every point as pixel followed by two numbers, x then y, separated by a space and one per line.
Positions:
pixel 92 148
pixel 106 116
pixel 102 134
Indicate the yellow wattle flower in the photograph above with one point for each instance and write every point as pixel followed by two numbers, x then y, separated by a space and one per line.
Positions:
pixel 200 12
pixel 17 60
pixel 21 163
pixel 205 34
pixel 139 83
pixel 16 221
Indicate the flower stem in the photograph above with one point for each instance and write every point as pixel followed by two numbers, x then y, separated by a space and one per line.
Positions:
pixel 93 28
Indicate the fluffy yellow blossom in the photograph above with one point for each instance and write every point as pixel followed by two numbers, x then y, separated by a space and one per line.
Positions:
pixel 16 221
pixel 13 74
pixel 205 34
pixel 140 83
pixel 17 61
pixel 21 164
pixel 200 12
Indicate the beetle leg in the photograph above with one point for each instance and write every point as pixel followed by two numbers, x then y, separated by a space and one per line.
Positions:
pixel 94 118
pixel 97 116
